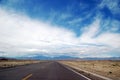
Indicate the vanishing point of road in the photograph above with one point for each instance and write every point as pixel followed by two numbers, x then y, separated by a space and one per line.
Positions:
pixel 40 71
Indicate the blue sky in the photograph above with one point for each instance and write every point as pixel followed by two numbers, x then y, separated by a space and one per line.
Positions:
pixel 79 28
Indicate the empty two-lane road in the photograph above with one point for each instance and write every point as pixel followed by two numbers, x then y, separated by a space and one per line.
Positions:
pixel 40 71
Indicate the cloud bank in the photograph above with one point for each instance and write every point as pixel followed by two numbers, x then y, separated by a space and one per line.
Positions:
pixel 21 35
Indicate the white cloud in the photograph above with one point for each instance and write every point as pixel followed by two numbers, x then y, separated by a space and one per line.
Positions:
pixel 103 43
pixel 106 38
pixel 21 32
pixel 89 32
pixel 110 39
pixel 21 35
pixel 112 5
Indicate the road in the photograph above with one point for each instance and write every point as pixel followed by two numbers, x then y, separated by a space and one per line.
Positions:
pixel 40 71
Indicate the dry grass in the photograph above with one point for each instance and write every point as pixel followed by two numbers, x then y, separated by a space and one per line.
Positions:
pixel 109 69
pixel 13 63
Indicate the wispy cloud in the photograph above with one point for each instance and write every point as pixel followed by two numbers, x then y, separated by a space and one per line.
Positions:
pixel 22 32
pixel 112 5
pixel 23 35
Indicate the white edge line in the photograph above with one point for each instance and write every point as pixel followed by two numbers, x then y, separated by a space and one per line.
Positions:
pixel 106 78
pixel 77 73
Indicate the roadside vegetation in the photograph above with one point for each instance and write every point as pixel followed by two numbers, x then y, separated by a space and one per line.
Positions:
pixel 13 63
pixel 106 68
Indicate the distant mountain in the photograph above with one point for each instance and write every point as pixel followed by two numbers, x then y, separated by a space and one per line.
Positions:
pixel 105 58
pixel 64 57
pixel 39 57
pixel 6 58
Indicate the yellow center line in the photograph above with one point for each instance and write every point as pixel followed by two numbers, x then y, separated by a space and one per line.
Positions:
pixel 28 76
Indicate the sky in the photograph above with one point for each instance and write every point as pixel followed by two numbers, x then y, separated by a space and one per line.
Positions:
pixel 53 28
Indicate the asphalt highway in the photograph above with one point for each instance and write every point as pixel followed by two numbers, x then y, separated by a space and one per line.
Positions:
pixel 40 71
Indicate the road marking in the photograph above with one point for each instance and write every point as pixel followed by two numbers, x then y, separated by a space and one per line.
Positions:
pixel 78 73
pixel 75 72
pixel 28 76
